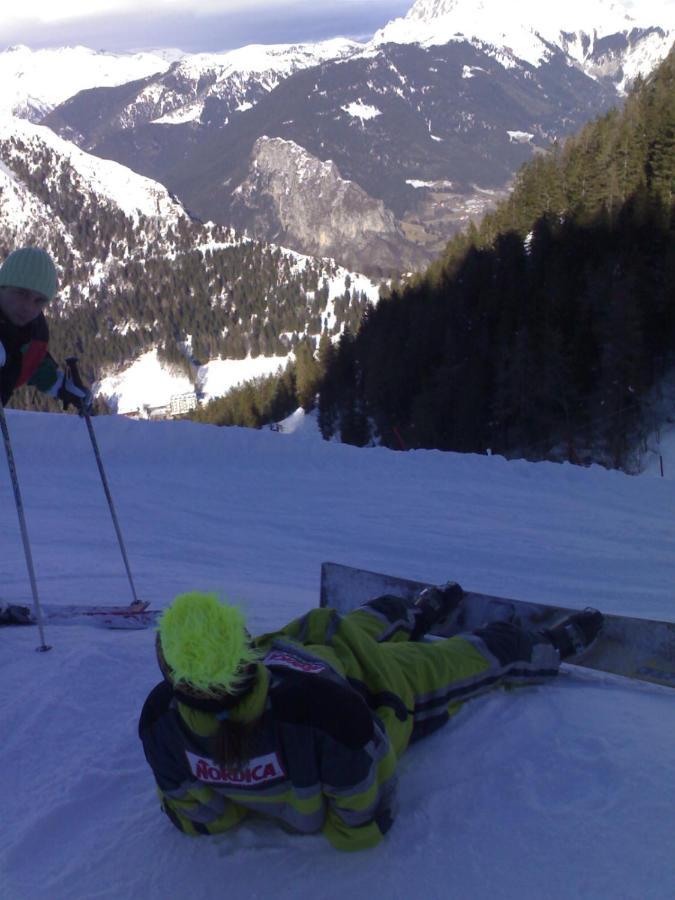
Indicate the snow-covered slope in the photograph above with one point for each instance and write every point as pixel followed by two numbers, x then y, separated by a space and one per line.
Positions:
pixel 147 385
pixel 562 791
pixel 70 179
pixel 108 181
pixel 35 81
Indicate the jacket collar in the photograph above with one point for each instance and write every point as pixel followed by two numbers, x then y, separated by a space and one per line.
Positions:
pixel 250 707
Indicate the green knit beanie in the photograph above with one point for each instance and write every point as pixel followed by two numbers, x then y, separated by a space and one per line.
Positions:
pixel 205 644
pixel 29 268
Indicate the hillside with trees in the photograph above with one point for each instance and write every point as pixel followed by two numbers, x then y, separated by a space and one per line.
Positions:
pixel 541 332
pixel 267 400
pixel 129 283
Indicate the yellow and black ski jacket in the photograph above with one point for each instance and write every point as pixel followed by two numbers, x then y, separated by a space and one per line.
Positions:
pixel 338 699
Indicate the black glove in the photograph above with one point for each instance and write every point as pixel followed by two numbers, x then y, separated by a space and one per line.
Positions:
pixel 11 614
pixel 79 395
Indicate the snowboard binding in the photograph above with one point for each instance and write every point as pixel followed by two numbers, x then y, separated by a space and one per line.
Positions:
pixel 575 634
pixel 435 604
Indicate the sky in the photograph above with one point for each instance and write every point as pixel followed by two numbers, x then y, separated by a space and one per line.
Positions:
pixel 207 25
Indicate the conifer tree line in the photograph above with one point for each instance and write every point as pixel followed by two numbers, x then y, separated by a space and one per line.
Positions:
pixel 540 332
pixel 133 283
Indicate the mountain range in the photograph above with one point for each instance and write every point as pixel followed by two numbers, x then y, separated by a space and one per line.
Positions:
pixel 423 126
pixel 35 81
pixel 371 154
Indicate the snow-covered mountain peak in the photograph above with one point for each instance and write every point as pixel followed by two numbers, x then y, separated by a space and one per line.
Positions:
pixel 602 16
pixel 530 31
pixel 35 81
pixel 255 58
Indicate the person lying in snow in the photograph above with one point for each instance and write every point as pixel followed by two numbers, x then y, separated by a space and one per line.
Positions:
pixel 27 284
pixel 306 725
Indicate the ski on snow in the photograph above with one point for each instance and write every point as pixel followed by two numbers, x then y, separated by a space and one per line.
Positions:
pixel 132 617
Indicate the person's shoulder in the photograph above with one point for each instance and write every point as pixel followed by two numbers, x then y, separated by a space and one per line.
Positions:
pixel 156 705
pixel 329 706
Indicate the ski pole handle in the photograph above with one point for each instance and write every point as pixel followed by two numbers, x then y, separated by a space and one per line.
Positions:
pixel 73 372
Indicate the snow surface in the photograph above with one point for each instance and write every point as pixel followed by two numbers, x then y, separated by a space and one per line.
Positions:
pixel 149 384
pixel 416 183
pixel 360 110
pixel 219 376
pixel 520 137
pixel 562 791
pixel 190 113
pixel 145 383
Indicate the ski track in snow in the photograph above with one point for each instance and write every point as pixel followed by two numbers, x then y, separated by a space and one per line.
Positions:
pixel 559 791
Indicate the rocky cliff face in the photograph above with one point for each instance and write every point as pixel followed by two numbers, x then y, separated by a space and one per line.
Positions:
pixel 302 202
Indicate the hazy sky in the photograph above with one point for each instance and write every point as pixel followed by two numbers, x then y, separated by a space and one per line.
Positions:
pixel 204 25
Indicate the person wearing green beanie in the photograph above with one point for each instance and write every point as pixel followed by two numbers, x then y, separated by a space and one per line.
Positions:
pixel 28 283
pixel 306 725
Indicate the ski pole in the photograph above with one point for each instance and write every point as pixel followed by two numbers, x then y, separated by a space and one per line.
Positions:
pixel 72 370
pixel 24 531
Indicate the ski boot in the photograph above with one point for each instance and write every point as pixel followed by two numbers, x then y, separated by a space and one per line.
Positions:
pixel 434 605
pixel 575 634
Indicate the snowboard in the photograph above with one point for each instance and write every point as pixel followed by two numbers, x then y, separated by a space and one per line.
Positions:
pixel 642 649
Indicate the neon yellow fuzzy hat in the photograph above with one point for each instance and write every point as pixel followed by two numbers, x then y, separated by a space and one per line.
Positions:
pixel 205 644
